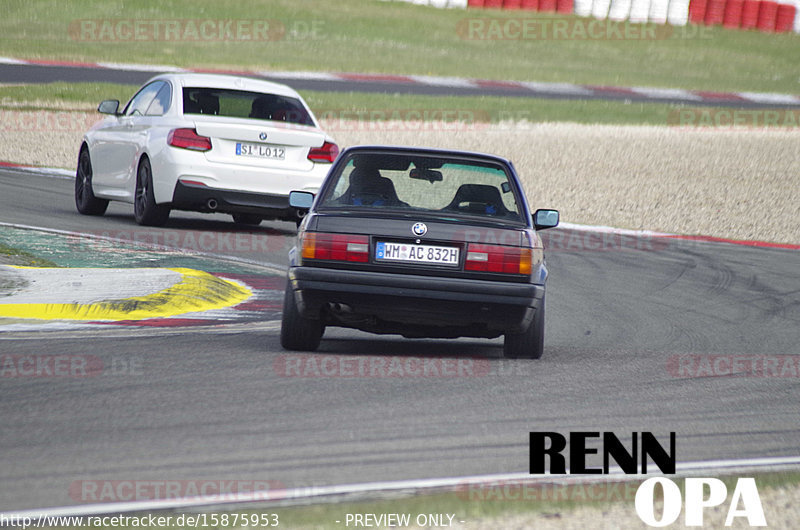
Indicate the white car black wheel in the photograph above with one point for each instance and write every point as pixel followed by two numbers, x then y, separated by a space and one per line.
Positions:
pixel 145 209
pixel 85 200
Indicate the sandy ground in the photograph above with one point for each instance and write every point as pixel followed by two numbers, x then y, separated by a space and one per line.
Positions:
pixel 743 184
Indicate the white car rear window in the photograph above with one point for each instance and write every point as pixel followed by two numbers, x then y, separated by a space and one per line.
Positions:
pixel 244 104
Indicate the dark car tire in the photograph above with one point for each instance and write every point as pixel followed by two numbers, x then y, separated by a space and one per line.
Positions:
pixel 298 332
pixel 145 209
pixel 246 219
pixel 530 343
pixel 85 201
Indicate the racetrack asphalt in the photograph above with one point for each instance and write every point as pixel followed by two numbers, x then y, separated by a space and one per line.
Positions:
pixel 19 71
pixel 650 335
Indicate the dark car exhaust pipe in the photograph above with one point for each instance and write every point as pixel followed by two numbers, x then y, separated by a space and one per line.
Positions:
pixel 212 204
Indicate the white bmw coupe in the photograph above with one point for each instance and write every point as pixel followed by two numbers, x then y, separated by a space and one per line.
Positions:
pixel 205 143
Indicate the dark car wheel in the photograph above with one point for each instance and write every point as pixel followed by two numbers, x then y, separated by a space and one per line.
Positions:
pixel 145 209
pixel 298 332
pixel 85 200
pixel 246 219
pixel 530 343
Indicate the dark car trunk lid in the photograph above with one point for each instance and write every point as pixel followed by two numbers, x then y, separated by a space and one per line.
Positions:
pixel 445 233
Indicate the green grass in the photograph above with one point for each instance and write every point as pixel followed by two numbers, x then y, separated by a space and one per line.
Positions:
pixel 399 38
pixel 490 503
pixel 483 109
pixel 14 256
pixel 374 107
pixel 80 94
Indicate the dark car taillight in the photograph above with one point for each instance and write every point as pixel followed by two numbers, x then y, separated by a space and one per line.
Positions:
pixel 337 247
pixel 327 153
pixel 497 258
pixel 188 139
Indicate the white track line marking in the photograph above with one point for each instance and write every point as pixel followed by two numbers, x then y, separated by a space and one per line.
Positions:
pixel 612 230
pixel 558 88
pixel 443 81
pixel 310 76
pixel 272 267
pixel 61 173
pixel 142 67
pixel 54 172
pixel 297 494
pixel 667 93
pixel 564 88
pixel 11 60
pixel 764 97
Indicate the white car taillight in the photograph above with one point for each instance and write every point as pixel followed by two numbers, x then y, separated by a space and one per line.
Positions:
pixel 188 139
pixel 327 153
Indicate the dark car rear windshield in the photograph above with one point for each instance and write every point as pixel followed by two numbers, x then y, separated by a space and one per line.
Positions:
pixel 243 104
pixel 443 186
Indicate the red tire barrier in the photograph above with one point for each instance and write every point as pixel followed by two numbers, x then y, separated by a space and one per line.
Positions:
pixel 733 14
pixel 784 20
pixel 750 13
pixel 531 5
pixel 493 4
pixel 767 16
pixel 565 7
pixel 547 6
pixel 715 12
pixel 512 4
pixel 474 3
pixel 697 11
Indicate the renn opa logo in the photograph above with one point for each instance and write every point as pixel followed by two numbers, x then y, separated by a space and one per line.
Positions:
pixel 744 503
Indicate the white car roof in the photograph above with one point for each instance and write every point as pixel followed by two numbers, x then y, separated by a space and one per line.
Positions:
pixel 229 82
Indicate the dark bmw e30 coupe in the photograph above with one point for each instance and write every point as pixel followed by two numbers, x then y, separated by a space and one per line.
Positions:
pixel 421 243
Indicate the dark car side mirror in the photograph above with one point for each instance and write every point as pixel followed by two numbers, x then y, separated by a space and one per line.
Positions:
pixel 545 219
pixel 302 200
pixel 108 106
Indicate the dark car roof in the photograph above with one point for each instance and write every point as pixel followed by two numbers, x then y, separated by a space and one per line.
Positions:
pixel 428 151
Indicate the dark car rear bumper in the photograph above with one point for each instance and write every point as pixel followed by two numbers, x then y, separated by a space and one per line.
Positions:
pixel 196 198
pixel 415 305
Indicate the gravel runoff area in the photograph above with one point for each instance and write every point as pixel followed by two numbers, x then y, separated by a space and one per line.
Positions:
pixel 735 183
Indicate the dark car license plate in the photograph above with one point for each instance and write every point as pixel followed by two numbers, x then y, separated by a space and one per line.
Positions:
pixel 387 251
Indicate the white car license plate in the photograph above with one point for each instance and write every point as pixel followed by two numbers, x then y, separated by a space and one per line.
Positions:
pixel 272 152
pixel 385 251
